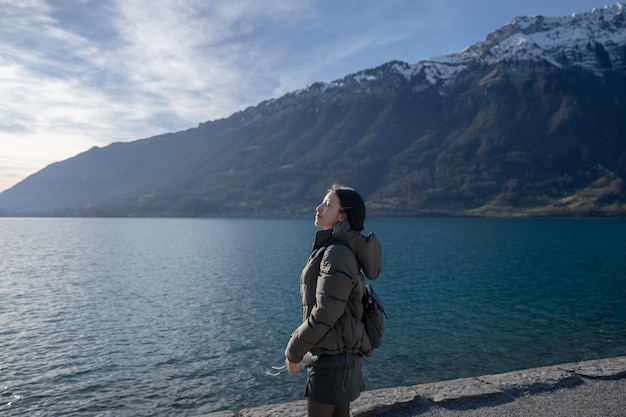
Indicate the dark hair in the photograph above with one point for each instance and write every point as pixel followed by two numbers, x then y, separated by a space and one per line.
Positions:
pixel 352 204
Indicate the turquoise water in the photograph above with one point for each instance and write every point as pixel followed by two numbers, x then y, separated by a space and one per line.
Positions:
pixel 179 317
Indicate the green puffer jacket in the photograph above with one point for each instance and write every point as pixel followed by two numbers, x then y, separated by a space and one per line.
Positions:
pixel 331 289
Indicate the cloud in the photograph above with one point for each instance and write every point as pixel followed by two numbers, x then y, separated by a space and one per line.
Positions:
pixel 84 73
pixel 194 59
pixel 190 60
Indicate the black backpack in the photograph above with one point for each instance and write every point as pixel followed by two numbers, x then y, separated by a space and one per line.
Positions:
pixel 373 312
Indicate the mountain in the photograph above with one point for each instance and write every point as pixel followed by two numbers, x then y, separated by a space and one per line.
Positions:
pixel 529 121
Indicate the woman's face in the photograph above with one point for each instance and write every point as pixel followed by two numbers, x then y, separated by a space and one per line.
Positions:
pixel 329 212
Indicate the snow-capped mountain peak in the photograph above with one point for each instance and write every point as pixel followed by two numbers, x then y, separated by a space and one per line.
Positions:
pixel 595 40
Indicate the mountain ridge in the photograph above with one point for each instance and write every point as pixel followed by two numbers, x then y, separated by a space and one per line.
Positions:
pixel 419 139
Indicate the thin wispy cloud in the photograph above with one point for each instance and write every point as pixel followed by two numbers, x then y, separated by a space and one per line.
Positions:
pixel 193 58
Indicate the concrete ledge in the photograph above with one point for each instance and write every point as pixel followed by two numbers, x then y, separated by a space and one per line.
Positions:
pixel 374 402
pixel 600 368
pixel 456 389
pixel 531 380
pixel 507 384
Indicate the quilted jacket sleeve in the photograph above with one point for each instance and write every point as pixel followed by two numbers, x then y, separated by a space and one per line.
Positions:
pixel 334 285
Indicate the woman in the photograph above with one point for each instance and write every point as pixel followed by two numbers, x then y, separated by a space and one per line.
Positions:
pixel 331 341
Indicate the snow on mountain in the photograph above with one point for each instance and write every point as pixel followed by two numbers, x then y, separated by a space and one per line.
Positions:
pixel 578 39
pixel 560 41
pixel 595 40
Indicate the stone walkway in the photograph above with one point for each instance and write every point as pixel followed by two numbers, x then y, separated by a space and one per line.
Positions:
pixel 582 389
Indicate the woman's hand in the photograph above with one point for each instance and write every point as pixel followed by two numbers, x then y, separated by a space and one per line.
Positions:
pixel 291 366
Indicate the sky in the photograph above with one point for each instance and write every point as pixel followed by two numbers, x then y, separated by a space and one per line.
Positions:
pixel 75 74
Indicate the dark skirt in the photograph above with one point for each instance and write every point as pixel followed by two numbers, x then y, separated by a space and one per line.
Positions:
pixel 334 379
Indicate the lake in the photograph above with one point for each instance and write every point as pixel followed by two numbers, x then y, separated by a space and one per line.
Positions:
pixel 180 317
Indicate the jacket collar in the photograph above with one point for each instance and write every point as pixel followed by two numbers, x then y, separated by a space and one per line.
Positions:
pixel 366 248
